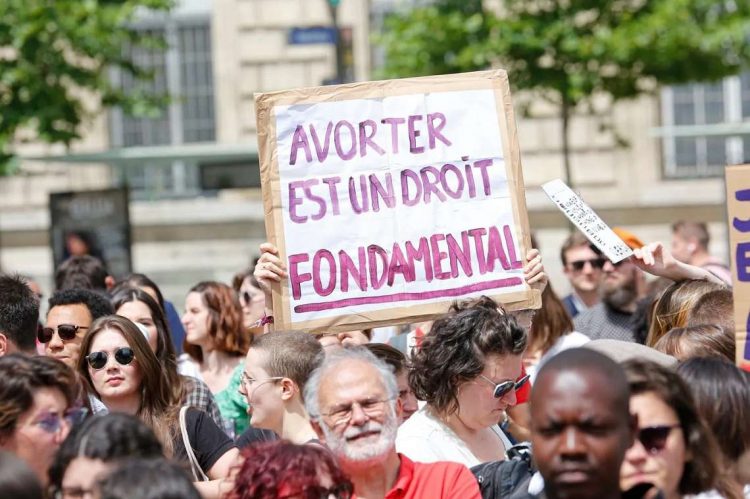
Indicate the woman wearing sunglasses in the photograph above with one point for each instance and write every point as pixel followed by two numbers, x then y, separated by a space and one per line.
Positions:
pixel 215 346
pixel 252 299
pixel 138 306
pixel 36 408
pixel 120 368
pixel 467 370
pixel 674 451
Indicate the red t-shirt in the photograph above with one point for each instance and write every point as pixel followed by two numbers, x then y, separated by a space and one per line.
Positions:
pixel 433 481
pixel 524 393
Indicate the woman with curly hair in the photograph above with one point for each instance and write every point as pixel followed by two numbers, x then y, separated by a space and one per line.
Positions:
pixel 215 345
pixel 280 469
pixel 467 371
pixel 674 451
pixel 37 397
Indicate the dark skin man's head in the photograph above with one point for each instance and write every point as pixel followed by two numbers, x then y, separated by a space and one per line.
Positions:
pixel 581 425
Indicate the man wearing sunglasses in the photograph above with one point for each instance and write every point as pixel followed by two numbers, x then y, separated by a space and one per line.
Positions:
pixel 581 425
pixel 71 312
pixel 19 315
pixel 583 268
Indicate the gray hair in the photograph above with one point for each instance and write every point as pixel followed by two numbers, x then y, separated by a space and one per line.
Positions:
pixel 332 360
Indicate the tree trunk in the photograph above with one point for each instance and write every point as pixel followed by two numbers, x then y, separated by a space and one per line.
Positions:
pixel 565 116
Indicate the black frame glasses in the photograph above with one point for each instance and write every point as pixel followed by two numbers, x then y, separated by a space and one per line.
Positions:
pixel 66 331
pixel 596 263
pixel 123 356
pixel 501 389
pixel 654 438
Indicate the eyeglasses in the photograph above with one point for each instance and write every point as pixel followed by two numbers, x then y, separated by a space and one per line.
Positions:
pixel 52 422
pixel 246 380
pixel 654 438
pixel 341 415
pixel 341 491
pixel 66 331
pixel 98 360
pixel 506 386
pixel 596 263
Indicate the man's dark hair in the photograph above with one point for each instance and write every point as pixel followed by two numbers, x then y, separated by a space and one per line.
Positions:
pixel 86 272
pixel 155 478
pixel 574 240
pixel 714 307
pixel 19 312
pixel 456 349
pixel 591 361
pixel 98 305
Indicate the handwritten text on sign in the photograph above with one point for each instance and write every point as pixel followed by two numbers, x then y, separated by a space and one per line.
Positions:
pixel 738 208
pixel 392 200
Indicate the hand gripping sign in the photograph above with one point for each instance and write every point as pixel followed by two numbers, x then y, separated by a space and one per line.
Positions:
pixel 388 200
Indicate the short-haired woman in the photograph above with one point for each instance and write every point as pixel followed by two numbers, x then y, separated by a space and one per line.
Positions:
pixel 467 371
pixel 37 397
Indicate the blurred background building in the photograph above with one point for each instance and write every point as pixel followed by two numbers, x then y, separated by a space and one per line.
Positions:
pixel 196 208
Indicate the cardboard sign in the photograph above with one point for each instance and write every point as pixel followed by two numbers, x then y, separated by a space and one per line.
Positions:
pixel 738 209
pixel 388 200
pixel 587 221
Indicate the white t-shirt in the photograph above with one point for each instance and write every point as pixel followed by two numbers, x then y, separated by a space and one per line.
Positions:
pixel 426 439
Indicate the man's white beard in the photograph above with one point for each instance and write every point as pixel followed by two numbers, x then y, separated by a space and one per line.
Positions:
pixel 363 454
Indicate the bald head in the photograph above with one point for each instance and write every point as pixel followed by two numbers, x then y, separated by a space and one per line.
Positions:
pixel 580 424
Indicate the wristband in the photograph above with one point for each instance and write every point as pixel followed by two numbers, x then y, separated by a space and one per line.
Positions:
pixel 267 319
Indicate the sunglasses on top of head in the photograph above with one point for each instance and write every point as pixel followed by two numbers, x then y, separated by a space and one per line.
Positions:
pixel 654 438
pixel 123 356
pixel 66 331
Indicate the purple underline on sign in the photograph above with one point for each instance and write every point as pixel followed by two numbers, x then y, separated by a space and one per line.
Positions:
pixel 424 295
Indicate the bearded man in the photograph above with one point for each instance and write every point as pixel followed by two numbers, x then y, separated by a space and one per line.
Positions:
pixel 621 288
pixel 352 399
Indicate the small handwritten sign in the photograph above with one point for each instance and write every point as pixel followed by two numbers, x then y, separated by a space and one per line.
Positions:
pixel 587 220
pixel 388 200
pixel 738 209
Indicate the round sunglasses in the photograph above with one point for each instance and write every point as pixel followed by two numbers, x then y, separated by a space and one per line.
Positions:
pixel 98 360
pixel 66 331
pixel 654 438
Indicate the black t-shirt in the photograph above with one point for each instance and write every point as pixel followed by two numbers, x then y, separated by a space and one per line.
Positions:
pixel 209 442
pixel 255 435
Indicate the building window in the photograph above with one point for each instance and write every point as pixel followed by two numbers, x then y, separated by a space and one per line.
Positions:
pixel 184 71
pixel 703 105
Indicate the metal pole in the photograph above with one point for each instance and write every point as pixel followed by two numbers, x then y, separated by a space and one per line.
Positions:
pixel 333 6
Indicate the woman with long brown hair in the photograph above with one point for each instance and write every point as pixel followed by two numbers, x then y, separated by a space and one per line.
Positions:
pixel 120 368
pixel 215 346
pixel 139 306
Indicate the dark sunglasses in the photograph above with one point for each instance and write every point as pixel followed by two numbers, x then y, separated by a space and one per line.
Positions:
pixel 654 438
pixel 66 331
pixel 502 388
pixel 98 360
pixel 596 263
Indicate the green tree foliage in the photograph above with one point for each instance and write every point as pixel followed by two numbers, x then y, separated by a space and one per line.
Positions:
pixel 568 51
pixel 53 52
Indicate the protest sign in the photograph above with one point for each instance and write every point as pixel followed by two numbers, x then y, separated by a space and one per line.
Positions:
pixel 388 200
pixel 587 221
pixel 738 210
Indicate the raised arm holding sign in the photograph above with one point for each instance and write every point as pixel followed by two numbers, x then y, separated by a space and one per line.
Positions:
pixel 388 200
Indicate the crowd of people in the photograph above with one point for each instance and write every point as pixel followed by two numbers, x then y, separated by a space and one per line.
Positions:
pixel 626 387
